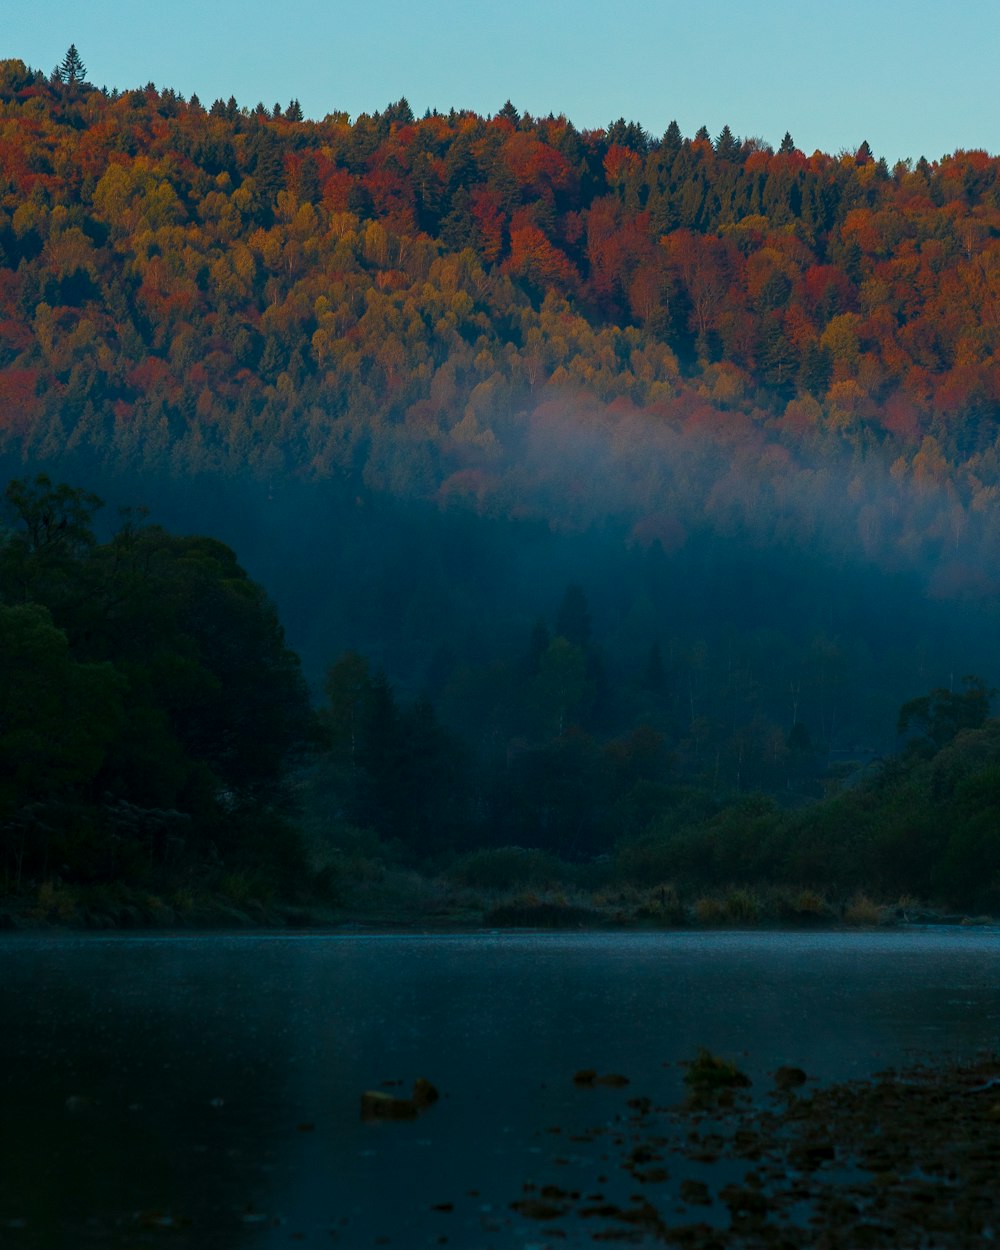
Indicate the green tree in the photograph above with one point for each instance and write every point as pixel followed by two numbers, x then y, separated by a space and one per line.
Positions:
pixel 941 715
pixel 727 146
pixel 71 70
pixel 47 543
pixel 57 717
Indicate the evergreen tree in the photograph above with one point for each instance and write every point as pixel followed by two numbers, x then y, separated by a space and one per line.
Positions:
pixel 727 146
pixel 71 70
pixel 399 113
pixel 628 135
pixel 673 140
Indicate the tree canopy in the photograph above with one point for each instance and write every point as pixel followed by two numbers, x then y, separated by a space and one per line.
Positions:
pixel 147 670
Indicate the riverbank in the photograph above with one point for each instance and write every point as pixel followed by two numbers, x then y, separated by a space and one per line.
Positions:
pixel 402 900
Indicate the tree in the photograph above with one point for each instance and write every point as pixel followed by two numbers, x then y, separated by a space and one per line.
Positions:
pixel 71 71
pixel 940 716
pixel 349 693
pixel 727 146
pixel 673 140
pixel 215 702
pixel 57 717
pixel 573 617
pixel 53 530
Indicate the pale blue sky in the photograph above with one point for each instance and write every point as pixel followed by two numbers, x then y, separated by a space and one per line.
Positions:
pixel 915 78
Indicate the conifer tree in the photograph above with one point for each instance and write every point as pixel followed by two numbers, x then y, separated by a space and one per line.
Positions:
pixel 672 138
pixel 71 69
pixel 727 146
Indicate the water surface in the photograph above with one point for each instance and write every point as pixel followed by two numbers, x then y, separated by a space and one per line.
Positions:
pixel 203 1091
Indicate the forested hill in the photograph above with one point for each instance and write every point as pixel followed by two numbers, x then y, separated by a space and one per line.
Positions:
pixel 598 478
pixel 420 300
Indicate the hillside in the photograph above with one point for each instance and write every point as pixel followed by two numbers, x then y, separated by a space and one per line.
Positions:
pixel 624 475
pixel 236 289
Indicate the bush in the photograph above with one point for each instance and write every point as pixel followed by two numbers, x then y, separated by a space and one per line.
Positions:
pixel 508 867
pixel 742 907
pixel 862 912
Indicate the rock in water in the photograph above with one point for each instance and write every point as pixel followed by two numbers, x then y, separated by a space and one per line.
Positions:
pixel 375 1105
pixel 424 1093
pixel 789 1078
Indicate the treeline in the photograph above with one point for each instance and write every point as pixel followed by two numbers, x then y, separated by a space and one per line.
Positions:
pixel 923 822
pixel 156 734
pixel 919 826
pixel 222 289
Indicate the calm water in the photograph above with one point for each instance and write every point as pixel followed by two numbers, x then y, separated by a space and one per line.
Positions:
pixel 160 1090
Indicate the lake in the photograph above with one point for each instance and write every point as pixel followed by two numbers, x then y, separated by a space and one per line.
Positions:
pixel 203 1090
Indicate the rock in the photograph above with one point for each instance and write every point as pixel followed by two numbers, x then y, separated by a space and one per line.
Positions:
pixel 789 1078
pixel 376 1105
pixel 695 1193
pixel 707 1072
pixel 538 1210
pixel 809 1154
pixel 424 1093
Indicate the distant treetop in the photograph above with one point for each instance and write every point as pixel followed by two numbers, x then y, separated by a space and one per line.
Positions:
pixel 71 70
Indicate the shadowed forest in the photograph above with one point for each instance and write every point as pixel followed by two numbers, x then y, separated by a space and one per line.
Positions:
pixel 631 502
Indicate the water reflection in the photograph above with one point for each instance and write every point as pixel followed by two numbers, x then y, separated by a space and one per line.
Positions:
pixel 204 1091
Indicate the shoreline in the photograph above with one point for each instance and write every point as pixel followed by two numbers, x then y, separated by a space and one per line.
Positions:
pixel 135 912
pixel 903 1158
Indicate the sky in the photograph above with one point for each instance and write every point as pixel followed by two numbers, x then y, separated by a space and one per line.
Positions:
pixel 914 79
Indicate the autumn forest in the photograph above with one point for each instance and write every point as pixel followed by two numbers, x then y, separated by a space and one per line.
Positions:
pixel 631 500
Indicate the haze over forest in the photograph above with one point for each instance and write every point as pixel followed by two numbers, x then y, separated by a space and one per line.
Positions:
pixel 606 478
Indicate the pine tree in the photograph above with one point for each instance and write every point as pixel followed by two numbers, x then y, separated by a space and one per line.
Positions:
pixel 71 70
pixel 672 138
pixel 727 146
pixel 294 111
